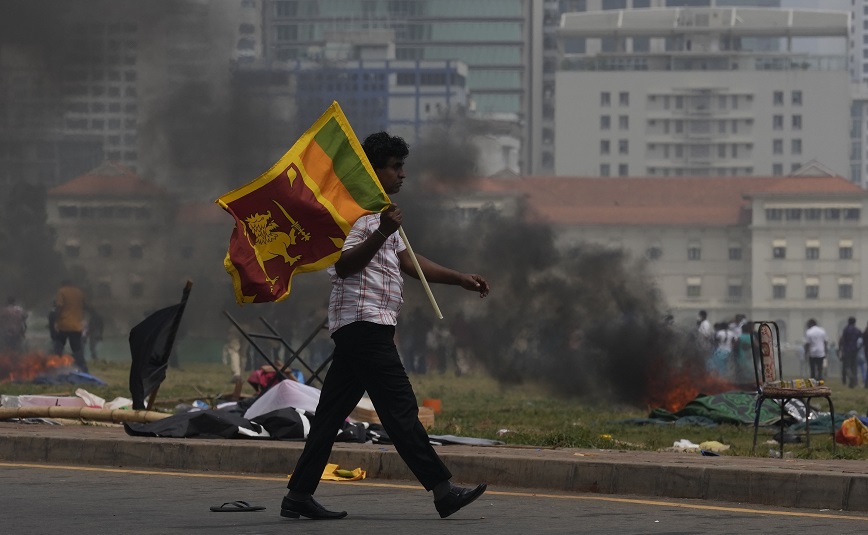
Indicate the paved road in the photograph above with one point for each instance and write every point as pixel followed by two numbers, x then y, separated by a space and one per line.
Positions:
pixel 39 499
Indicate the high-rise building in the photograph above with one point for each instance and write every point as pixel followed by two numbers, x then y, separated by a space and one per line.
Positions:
pixel 693 100
pixel 542 134
pixel 376 91
pixel 100 82
pixel 492 37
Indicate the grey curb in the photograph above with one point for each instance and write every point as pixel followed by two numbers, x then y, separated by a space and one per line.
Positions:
pixel 811 484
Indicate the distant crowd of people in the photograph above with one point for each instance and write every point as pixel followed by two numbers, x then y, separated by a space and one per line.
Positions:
pixel 729 346
pixel 850 350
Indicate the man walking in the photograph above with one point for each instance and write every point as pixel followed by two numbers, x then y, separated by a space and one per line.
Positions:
pixel 366 297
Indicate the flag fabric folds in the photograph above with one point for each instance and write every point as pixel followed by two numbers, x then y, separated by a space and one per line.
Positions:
pixel 151 344
pixel 295 217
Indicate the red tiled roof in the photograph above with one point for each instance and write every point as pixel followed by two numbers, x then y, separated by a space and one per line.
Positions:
pixel 657 200
pixel 110 179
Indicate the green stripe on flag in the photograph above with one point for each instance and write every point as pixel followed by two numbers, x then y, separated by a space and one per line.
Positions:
pixel 349 168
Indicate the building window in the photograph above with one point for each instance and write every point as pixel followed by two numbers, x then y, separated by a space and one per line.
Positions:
pixel 694 287
pixel 779 249
pixel 845 288
pixel 694 252
pixel 623 122
pixel 845 250
pixel 654 252
pixel 735 252
pixel 605 169
pixel 852 214
pixel 778 122
pixel 623 170
pixel 779 288
pixel 778 98
pixel 605 99
pixel 774 214
pixel 604 146
pixel 797 122
pixel 605 122
pixel 778 146
pixel 812 252
pixel 136 250
pixel 623 98
pixel 797 98
pixel 812 288
pixel 832 214
pixel 813 214
pixel 623 146
pixel 734 290
pixel 793 214
pixel 777 169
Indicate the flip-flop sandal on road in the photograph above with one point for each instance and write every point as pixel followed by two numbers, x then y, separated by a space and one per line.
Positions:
pixel 236 507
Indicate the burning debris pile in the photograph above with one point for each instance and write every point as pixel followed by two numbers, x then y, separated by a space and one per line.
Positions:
pixel 40 369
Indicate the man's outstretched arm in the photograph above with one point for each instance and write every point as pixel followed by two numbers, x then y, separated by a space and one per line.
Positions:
pixel 434 272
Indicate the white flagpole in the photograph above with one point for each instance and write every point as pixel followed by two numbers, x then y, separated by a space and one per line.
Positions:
pixel 421 275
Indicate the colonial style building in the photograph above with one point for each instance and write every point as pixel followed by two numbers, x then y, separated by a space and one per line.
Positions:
pixel 779 248
pixel 132 246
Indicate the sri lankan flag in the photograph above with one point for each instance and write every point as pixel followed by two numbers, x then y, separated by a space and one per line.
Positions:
pixel 295 217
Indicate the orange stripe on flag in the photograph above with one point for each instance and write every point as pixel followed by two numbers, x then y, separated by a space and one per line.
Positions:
pixel 319 167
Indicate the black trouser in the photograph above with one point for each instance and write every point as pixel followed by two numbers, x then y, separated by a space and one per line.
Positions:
pixel 849 366
pixel 816 364
pixel 74 345
pixel 365 359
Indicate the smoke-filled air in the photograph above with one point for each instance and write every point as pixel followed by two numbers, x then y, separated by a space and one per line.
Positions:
pixel 587 321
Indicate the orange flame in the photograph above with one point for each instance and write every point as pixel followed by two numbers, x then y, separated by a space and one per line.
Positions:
pixel 673 389
pixel 23 368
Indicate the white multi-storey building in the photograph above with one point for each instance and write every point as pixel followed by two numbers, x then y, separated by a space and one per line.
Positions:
pixel 785 249
pixel 696 102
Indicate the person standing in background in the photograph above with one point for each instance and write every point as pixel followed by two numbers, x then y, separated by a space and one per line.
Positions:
pixel 816 347
pixel 848 344
pixel 69 304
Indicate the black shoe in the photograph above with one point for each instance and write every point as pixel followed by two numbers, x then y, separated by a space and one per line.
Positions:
pixel 308 508
pixel 457 498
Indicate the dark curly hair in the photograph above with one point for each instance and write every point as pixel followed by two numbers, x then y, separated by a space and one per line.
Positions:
pixel 381 146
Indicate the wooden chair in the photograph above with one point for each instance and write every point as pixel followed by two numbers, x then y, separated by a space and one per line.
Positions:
pixel 768 372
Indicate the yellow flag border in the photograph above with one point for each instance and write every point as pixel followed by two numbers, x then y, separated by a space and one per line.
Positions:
pixel 333 111
pixel 275 171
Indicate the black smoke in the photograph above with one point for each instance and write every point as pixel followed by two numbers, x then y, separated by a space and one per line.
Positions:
pixel 199 135
pixel 588 321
